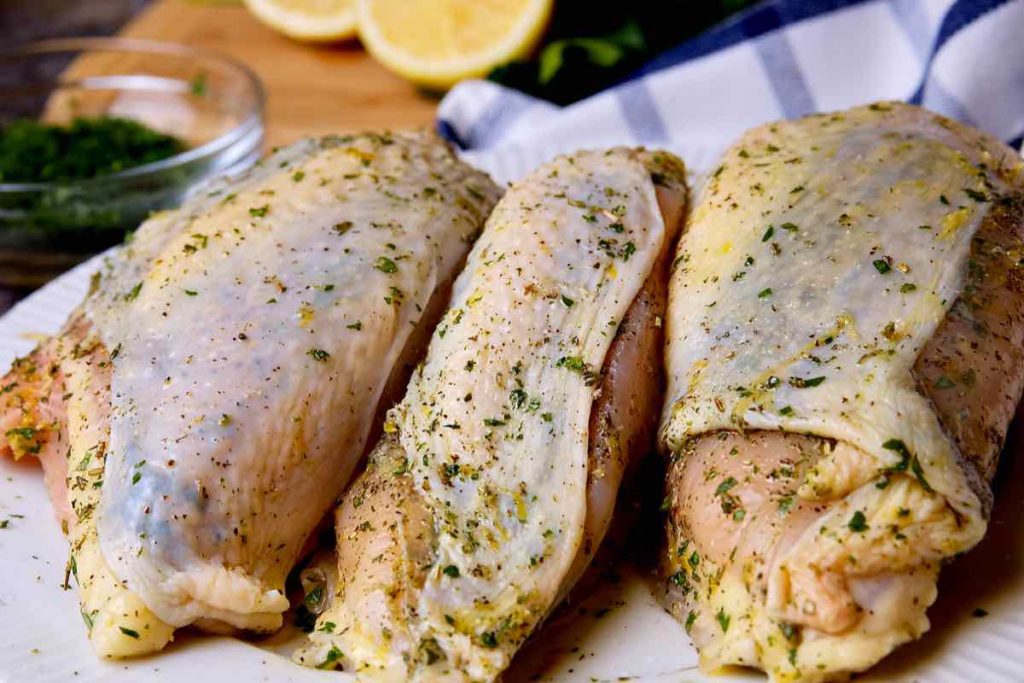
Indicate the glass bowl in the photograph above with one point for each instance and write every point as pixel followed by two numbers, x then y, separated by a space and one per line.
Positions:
pixel 212 103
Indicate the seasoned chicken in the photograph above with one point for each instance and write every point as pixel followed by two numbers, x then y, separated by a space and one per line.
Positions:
pixel 845 331
pixel 204 407
pixel 499 470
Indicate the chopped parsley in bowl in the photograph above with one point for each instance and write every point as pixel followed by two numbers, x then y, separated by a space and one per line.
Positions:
pixel 33 152
pixel 98 133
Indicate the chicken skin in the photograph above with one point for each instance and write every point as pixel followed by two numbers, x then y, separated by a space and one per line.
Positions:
pixel 206 404
pixel 845 336
pixel 497 476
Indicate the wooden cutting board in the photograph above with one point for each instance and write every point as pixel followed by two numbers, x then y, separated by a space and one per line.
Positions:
pixel 311 90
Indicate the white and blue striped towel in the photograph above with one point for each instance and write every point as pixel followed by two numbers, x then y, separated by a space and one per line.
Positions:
pixel 779 59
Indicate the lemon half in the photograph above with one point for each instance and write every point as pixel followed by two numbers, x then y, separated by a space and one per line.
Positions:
pixel 309 20
pixel 436 43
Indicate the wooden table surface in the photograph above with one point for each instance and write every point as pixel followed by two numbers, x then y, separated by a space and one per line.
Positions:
pixel 311 90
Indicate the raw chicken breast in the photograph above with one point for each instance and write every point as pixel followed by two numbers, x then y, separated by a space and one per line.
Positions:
pixel 845 335
pixel 204 407
pixel 499 471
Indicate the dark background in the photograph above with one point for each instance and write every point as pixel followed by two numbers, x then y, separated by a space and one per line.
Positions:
pixel 25 20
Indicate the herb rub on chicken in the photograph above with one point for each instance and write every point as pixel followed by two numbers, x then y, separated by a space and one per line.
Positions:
pixel 203 408
pixel 845 332
pixel 497 478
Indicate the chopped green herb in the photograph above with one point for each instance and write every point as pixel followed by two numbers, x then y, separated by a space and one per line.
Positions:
pixel 259 211
pixel 385 265
pixel 901 448
pixel 725 486
pixel 786 504
pixel 723 619
pixel 31 151
pixel 131 633
pixel 915 467
pixel 857 522
pixel 22 432
pixel 908 287
pixel 517 398
pixel 805 383
pixel 690 618
pixel 314 597
pixel 680 580
pixel 198 84
pixel 881 265
pixel 574 363
pixel 330 662
pixel 768 233
pixel 318 355
pixel 451 571
pixel 766 292
pixel 567 301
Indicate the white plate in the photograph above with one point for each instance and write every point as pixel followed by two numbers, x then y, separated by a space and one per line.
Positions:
pixel 617 633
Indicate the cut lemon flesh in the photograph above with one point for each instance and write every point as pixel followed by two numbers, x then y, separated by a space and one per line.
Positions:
pixel 437 43
pixel 311 20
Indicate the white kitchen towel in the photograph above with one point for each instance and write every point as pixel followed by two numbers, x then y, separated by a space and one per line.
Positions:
pixel 778 59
